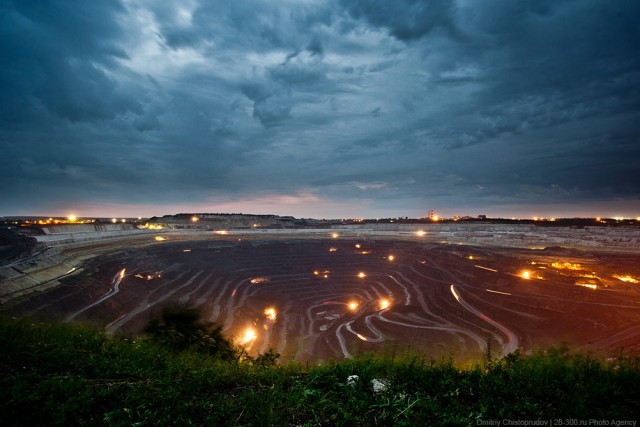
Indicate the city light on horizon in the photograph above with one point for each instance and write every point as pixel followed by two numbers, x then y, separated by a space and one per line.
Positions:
pixel 633 218
pixel 133 210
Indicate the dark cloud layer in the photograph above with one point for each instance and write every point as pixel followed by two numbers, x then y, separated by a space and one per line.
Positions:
pixel 315 108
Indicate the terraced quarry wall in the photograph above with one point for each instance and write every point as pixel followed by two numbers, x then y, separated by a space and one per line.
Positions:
pixel 301 291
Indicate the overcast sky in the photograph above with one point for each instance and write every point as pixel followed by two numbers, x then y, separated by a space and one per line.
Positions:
pixel 320 109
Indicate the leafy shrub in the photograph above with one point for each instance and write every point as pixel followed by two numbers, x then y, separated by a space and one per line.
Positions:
pixel 180 329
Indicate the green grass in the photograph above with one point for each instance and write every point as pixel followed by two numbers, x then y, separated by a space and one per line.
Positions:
pixel 69 375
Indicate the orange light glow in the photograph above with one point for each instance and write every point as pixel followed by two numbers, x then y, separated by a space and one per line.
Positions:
pixel 526 274
pixel 333 249
pixel 114 220
pixel 391 257
pixel 421 233
pixel 357 245
pixel 194 219
pixel 221 232
pixel 384 303
pixel 566 266
pixel 353 306
pixel 335 235
pixel 248 336
pixel 72 218
pixel 626 278
pixel 270 313
pixel 362 275
pixel 316 272
pixel 152 226
pixel 160 238
pixel 435 218
pixel 257 280
pixel 588 285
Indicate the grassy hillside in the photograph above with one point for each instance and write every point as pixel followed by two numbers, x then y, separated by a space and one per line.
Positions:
pixel 68 375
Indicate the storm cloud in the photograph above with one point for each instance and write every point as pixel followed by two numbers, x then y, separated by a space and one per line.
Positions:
pixel 338 108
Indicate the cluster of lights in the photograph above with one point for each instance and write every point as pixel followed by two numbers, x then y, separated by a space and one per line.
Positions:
pixel 324 274
pixel 149 276
pixel 152 226
pixel 270 313
pixel 384 303
pixel 617 218
pixel 627 278
pixel 527 275
pixel 566 266
pixel 71 219
pixel 248 336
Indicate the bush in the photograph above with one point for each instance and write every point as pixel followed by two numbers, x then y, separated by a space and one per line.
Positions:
pixel 180 329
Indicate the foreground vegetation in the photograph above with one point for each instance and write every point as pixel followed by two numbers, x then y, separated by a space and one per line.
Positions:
pixel 69 375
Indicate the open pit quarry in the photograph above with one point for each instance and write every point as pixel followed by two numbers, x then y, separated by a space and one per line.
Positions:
pixel 335 291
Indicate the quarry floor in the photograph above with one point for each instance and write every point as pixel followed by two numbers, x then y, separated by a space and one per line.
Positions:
pixel 305 296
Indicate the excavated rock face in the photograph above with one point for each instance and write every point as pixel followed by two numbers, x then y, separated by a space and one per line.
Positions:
pixel 14 246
